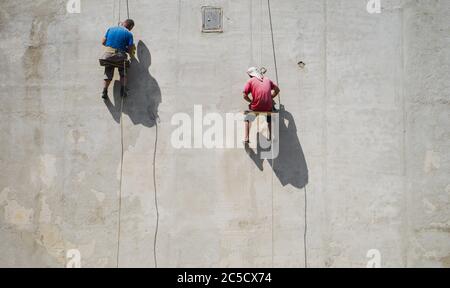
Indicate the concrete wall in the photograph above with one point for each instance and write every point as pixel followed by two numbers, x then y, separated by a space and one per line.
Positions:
pixel 364 160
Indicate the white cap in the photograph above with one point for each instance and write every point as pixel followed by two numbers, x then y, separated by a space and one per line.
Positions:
pixel 255 72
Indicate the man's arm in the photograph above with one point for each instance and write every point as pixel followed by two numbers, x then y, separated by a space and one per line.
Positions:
pixel 246 98
pixel 105 37
pixel 275 91
pixel 132 50
pixel 247 91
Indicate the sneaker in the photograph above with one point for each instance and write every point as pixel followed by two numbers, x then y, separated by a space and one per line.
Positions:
pixel 105 94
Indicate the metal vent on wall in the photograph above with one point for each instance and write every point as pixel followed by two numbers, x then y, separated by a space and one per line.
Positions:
pixel 212 19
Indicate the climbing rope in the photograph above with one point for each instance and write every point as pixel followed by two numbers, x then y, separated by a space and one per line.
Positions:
pixel 306 230
pixel 121 167
pixel 156 195
pixel 273 49
pixel 273 160
pixel 305 234
pixel 122 157
pixel 114 12
pixel 120 183
pixel 128 11
pixel 120 6
pixel 122 148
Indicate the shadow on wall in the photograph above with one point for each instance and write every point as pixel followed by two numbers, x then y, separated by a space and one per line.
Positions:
pixel 290 166
pixel 144 94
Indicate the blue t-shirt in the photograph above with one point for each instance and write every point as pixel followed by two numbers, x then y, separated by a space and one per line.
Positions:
pixel 119 38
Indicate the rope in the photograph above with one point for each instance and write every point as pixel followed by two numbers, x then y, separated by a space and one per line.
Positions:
pixel 305 234
pixel 156 197
pixel 121 165
pixel 120 182
pixel 114 13
pixel 128 11
pixel 273 49
pixel 121 139
pixel 306 230
pixel 273 171
pixel 279 99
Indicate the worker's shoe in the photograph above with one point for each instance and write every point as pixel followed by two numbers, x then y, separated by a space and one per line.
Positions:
pixel 105 94
pixel 123 91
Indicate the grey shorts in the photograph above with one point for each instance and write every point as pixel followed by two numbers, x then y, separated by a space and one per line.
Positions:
pixel 250 117
pixel 109 72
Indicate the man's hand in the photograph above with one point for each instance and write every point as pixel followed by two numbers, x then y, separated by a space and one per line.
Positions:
pixel 275 92
pixel 132 51
pixel 246 98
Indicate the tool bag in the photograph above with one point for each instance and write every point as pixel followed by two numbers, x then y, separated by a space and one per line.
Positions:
pixel 114 57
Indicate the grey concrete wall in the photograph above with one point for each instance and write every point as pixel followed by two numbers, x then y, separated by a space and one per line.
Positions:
pixel 364 159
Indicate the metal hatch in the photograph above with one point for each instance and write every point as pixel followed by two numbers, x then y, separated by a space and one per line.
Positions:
pixel 212 19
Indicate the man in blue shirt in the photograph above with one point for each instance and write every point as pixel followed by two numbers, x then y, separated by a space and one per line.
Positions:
pixel 118 41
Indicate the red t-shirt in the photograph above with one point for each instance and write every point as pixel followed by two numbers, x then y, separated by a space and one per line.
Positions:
pixel 261 93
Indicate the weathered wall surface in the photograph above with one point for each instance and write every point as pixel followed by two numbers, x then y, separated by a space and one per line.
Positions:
pixel 364 138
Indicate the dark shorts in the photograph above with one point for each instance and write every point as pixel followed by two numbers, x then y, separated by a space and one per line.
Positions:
pixel 116 58
pixel 109 72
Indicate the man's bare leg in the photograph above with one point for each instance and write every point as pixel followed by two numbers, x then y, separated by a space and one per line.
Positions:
pixel 105 88
pixel 247 132
pixel 106 84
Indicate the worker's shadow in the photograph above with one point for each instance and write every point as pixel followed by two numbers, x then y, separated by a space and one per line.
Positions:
pixel 290 166
pixel 144 94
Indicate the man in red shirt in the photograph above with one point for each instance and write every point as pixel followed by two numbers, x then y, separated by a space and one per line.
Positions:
pixel 262 91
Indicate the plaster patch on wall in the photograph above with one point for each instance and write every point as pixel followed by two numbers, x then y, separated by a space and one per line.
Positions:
pixel 4 195
pixel 50 237
pixel 59 220
pixel 81 176
pixel 432 161
pixel 385 208
pixel 445 261
pixel 18 215
pixel 87 250
pixel 102 262
pixel 48 169
pixel 429 206
pixel 45 215
pixel 4 19
pixel 431 254
pixel 99 195
pixel 76 137
pixel 118 172
pixel 443 227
